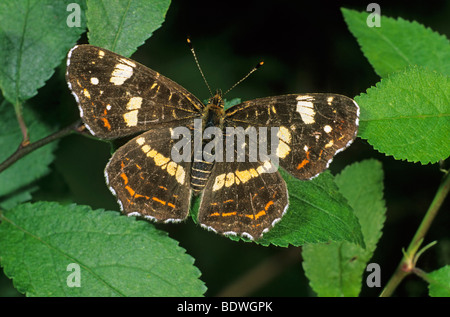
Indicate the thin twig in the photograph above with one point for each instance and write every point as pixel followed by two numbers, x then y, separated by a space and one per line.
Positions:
pixel 27 147
pixel 262 274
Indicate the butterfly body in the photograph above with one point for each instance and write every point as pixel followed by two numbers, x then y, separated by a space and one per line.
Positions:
pixel 213 115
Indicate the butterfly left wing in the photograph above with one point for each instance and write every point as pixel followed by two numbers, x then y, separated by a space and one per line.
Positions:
pixel 146 181
pixel 118 96
pixel 243 198
pixel 313 128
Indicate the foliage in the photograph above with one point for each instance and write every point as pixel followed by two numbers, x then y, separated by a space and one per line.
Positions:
pixel 337 219
pixel 117 256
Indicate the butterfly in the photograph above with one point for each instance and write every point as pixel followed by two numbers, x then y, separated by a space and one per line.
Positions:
pixel 119 97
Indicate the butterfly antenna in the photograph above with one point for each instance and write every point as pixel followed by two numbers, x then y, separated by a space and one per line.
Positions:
pixel 198 64
pixel 245 77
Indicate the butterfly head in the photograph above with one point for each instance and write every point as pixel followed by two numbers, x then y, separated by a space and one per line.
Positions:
pixel 216 101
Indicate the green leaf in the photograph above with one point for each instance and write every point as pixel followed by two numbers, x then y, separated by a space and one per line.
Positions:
pixel 439 282
pixel 34 39
pixel 116 255
pixel 398 43
pixel 407 115
pixel 317 213
pixel 231 103
pixel 122 26
pixel 362 185
pixel 16 182
pixel 336 268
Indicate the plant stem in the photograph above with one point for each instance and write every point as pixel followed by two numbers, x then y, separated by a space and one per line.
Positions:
pixel 26 147
pixel 262 274
pixel 407 264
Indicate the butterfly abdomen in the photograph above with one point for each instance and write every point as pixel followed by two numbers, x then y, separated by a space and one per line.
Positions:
pixel 200 172
pixel 203 162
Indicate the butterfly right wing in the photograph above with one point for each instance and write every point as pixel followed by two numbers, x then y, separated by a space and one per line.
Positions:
pixel 313 128
pixel 118 96
pixel 243 198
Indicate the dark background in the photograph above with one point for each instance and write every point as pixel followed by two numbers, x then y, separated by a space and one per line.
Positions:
pixel 306 47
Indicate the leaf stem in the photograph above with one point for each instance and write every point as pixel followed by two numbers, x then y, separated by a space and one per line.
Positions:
pixel 22 125
pixel 27 147
pixel 407 264
pixel 422 274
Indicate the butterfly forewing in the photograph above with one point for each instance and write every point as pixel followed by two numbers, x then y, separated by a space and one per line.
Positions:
pixel 312 128
pixel 146 181
pixel 118 96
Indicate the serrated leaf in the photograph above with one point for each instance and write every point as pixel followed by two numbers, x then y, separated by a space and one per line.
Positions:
pixel 439 282
pixel 407 115
pixel 34 39
pixel 398 43
pixel 317 213
pixel 16 182
pixel 122 26
pixel 117 255
pixel 336 268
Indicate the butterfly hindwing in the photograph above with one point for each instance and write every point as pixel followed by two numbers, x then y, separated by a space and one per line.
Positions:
pixel 313 128
pixel 146 181
pixel 243 198
pixel 118 96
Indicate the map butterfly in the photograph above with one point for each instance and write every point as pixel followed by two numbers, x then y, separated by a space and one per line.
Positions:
pixel 119 97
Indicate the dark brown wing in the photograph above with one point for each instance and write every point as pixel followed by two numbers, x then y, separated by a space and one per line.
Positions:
pixel 243 198
pixel 118 96
pixel 146 181
pixel 313 128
